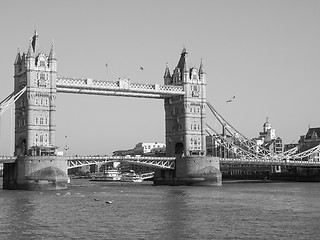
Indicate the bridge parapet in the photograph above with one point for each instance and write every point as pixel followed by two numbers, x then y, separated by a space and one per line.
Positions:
pixel 7 159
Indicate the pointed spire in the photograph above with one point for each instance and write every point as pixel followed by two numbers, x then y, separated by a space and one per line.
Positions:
pixel 52 54
pixel 18 57
pixel 167 72
pixel 35 41
pixel 201 69
pixel 183 64
pixel 30 52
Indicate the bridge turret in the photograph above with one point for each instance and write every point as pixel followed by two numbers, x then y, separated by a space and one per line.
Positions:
pixel 202 73
pixel 167 76
pixel 52 60
pixel 17 62
pixel 30 57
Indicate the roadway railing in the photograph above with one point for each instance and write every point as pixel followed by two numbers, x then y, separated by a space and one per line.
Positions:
pixel 7 159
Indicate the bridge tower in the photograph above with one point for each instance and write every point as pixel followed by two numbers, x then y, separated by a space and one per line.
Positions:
pixel 186 128
pixel 37 165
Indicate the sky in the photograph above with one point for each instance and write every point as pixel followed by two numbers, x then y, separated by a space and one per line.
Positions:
pixel 266 53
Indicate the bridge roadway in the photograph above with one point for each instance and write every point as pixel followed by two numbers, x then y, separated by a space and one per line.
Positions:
pixel 168 162
pixel 123 87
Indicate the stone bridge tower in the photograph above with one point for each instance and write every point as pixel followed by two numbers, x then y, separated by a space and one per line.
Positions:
pixel 186 128
pixel 35 110
pixel 37 165
pixel 185 115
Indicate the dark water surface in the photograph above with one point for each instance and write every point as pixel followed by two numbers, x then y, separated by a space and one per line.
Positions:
pixel 144 211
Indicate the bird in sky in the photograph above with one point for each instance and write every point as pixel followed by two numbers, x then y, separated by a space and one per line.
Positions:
pixel 141 68
pixel 231 99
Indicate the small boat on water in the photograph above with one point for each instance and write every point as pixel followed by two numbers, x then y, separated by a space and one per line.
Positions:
pixel 109 175
pixel 131 177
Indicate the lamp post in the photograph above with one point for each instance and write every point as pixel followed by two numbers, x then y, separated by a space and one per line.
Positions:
pixel 66 147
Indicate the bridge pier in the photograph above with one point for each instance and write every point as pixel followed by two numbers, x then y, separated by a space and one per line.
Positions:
pixel 191 170
pixel 36 173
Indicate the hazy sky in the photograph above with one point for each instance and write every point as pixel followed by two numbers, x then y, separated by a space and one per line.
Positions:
pixel 266 53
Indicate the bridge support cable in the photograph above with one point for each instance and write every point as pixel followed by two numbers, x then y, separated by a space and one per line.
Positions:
pixel 229 145
pixel 10 100
pixel 288 154
pixel 238 137
pixel 305 154
pixel 245 148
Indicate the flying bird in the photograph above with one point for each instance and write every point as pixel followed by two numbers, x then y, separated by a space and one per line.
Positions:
pixel 141 68
pixel 231 99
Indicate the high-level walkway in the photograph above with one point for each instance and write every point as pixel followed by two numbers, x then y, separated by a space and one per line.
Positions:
pixel 123 87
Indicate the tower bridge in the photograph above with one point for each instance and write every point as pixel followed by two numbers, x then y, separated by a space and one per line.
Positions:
pixel 36 88
pixel 35 163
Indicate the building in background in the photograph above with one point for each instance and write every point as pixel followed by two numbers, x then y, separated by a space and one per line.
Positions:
pixel 268 139
pixel 308 141
pixel 141 149
pixel 144 149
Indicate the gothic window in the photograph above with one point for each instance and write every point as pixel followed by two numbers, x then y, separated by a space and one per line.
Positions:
pixel 46 102
pixel 42 80
pixel 195 90
pixel 41 138
pixel 36 137
pixel 42 63
pixel 194 77
pixel 36 101
pixel 46 121
pixel 41 121
pixel 36 121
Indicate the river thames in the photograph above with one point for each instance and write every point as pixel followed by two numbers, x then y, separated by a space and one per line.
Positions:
pixel 143 211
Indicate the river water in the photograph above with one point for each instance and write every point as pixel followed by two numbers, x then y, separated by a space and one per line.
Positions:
pixel 144 211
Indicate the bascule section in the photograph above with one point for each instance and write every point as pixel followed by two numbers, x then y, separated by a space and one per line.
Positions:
pixel 37 165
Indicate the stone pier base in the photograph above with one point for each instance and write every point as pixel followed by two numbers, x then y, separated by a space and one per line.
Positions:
pixel 193 170
pixel 36 173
